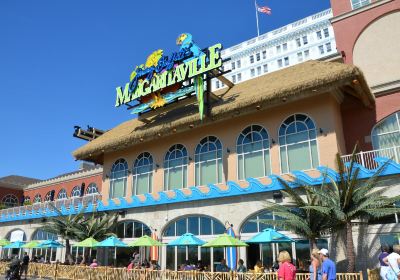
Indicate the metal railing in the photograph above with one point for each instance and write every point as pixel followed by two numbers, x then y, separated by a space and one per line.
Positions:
pixel 367 159
pixel 43 206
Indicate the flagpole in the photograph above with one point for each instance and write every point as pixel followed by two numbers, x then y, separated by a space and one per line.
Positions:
pixel 255 6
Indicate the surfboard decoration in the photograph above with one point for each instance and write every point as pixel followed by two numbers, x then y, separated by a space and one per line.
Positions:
pixel 231 252
pixel 154 249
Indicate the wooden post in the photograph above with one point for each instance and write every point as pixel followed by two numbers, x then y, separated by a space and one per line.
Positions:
pixel 55 271
pixel 361 275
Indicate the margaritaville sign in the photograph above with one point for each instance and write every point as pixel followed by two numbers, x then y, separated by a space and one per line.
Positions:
pixel 161 79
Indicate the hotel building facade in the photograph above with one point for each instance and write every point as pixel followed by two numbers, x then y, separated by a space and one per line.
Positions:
pixel 178 174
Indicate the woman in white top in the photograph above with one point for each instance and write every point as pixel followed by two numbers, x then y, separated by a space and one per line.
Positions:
pixel 393 260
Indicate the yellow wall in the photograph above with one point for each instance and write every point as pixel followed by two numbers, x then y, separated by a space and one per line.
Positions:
pixel 324 110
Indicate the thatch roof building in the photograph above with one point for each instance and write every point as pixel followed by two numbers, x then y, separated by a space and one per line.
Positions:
pixel 303 80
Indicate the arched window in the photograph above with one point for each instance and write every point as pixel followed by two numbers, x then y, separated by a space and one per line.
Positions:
pixel 119 174
pixel 253 224
pixel 386 134
pixel 16 235
pixel 38 198
pixel 76 191
pixel 92 189
pixel 253 153
pixel 43 235
pixel 132 229
pixel 208 161
pixel 62 194
pixel 143 174
pixel 175 168
pixel 298 144
pixel 197 225
pixel 27 199
pixel 10 200
pixel 47 197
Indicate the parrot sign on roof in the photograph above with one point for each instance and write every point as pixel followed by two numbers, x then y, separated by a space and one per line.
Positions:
pixel 160 80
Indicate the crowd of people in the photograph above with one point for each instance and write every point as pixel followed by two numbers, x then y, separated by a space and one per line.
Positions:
pixel 321 267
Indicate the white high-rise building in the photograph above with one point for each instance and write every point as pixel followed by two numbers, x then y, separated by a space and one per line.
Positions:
pixel 308 38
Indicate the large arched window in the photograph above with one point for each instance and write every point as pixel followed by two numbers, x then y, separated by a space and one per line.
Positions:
pixel 119 174
pixel 76 191
pixel 10 200
pixel 92 189
pixel 208 161
pixel 386 134
pixel 143 174
pixel 132 229
pixel 253 224
pixel 38 198
pixel 197 225
pixel 62 194
pixel 43 235
pixel 253 153
pixel 175 167
pixel 298 144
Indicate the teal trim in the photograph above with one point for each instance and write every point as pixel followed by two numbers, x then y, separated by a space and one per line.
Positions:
pixel 254 187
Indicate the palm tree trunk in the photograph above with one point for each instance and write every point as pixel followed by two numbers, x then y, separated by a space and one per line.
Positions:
pixel 313 244
pixel 350 247
pixel 68 251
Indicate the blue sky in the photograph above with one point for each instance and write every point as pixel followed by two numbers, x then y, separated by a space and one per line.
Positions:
pixel 60 62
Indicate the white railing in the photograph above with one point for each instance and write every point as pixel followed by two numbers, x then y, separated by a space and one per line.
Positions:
pixel 40 207
pixel 367 159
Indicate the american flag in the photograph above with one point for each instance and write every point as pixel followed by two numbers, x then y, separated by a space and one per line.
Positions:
pixel 264 9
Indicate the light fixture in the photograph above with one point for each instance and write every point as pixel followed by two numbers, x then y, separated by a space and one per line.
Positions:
pixel 273 141
pixel 157 165
pixel 321 130
pixel 228 150
pixel 277 195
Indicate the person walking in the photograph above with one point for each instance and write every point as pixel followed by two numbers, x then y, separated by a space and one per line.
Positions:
pixel 393 260
pixel 383 266
pixel 25 264
pixel 287 271
pixel 328 266
pixel 315 266
pixel 241 267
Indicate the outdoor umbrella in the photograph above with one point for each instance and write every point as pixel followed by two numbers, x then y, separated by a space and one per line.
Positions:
pixel 112 242
pixel 15 245
pixel 187 239
pixel 224 241
pixel 145 241
pixel 3 242
pixel 269 235
pixel 50 244
pixel 87 243
pixel 31 245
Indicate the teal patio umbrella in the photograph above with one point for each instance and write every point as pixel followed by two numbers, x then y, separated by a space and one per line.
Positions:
pixel 187 239
pixel 269 235
pixel 112 242
pixel 15 245
pixel 50 244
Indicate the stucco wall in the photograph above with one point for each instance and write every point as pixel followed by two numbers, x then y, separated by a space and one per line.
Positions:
pixel 376 50
pixel 323 109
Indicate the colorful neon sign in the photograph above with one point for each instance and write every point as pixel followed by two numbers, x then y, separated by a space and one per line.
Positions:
pixel 160 80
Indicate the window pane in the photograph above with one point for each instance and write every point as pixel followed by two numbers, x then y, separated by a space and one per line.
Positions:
pixel 208 173
pixel 142 183
pixel 240 167
pixel 254 165
pixel 299 157
pixel 193 223
pixel 205 224
pixel 138 229
pixel 181 255
pixel 129 229
pixel 267 255
pixel 218 227
pixel 250 227
pixel 181 227
pixel 120 230
pixel 170 230
pixel 284 166
pixel 175 178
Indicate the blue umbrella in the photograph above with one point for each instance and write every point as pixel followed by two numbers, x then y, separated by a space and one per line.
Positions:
pixel 114 242
pixel 187 239
pixel 50 244
pixel 15 245
pixel 269 235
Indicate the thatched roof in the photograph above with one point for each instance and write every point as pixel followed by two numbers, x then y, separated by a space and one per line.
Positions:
pixel 297 82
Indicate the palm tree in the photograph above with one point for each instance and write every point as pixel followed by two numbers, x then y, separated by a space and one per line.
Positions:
pixel 299 217
pixel 64 227
pixel 98 227
pixel 349 198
